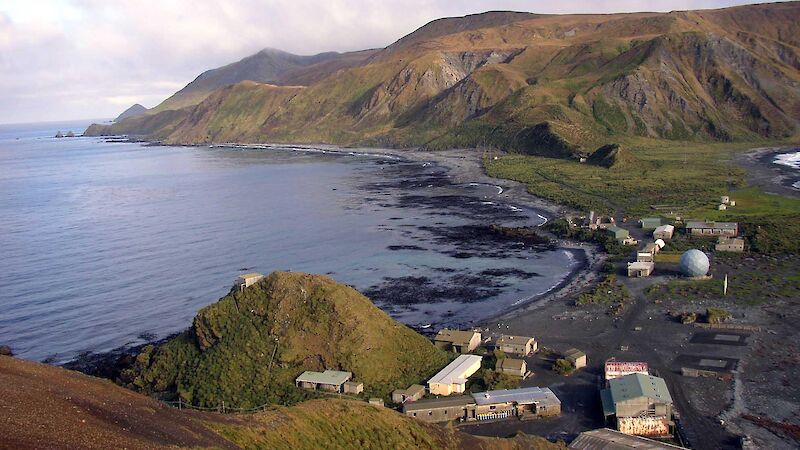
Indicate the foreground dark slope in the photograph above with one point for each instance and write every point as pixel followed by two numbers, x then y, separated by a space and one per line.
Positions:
pixel 247 348
pixel 553 85
pixel 48 407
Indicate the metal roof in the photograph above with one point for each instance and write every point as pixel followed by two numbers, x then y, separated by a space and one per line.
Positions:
pixel 719 225
pixel 333 377
pixel 641 265
pixel 245 276
pixel 508 339
pixel 606 439
pixel 457 371
pixel 439 402
pixel 637 385
pixel 665 228
pixel 574 353
pixel 524 396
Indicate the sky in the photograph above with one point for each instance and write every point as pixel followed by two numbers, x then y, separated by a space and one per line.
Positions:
pixel 91 59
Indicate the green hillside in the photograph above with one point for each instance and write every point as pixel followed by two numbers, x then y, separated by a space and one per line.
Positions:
pixel 247 348
pixel 547 85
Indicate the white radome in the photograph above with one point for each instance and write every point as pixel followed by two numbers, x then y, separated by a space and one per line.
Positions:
pixel 694 263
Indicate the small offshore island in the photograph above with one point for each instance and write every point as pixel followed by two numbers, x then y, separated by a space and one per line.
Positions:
pixel 639 148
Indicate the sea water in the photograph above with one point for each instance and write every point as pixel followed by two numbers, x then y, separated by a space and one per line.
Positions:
pixel 106 244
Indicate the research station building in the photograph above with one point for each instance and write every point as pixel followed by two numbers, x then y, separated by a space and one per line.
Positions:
pixel 512 367
pixel 453 378
pixel 695 228
pixel 524 403
pixel 639 405
pixel 457 341
pixel 329 380
pixel 517 345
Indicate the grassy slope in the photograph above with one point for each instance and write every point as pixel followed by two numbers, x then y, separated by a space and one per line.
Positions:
pixel 49 407
pixel 309 322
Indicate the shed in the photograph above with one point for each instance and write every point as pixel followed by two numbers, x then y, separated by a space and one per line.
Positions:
pixel 412 394
pixel 376 401
pixel 726 244
pixel 617 232
pixel 519 345
pixel 513 367
pixel 664 232
pixel 353 387
pixel 650 223
pixel 640 269
pixel 576 357
pixel 248 279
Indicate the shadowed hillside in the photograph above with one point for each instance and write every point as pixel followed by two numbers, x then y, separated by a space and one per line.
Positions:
pixel 49 407
pixel 552 85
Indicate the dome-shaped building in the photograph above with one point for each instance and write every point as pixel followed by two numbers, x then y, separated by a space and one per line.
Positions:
pixel 694 263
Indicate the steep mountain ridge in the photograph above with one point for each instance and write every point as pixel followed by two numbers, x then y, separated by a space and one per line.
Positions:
pixel 267 66
pixel 543 84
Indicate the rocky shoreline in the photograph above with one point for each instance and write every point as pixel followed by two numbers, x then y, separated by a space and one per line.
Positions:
pixel 763 172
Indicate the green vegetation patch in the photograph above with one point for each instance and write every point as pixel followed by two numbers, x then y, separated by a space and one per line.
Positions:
pixel 752 279
pixel 607 292
pixel 248 348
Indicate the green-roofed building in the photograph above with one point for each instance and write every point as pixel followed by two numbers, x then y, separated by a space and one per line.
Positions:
pixel 329 380
pixel 617 233
pixel 650 223
pixel 639 404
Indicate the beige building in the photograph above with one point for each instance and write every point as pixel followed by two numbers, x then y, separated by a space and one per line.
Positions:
pixel 726 244
pixel 640 269
pixel 639 405
pixel 712 228
pixel 453 378
pixel 248 279
pixel 518 345
pixel 664 232
pixel 642 256
pixel 457 341
pixel 576 357
pixel 513 367
pixel 412 394
pixel 353 387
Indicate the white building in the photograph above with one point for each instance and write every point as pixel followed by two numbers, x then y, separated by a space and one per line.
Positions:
pixel 453 378
pixel 248 279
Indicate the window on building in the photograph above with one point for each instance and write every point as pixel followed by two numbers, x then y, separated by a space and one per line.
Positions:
pixel 414 414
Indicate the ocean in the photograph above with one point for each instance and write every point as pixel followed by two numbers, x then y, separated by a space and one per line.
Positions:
pixel 790 160
pixel 105 244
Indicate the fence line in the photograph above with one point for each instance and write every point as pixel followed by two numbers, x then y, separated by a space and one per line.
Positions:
pixel 180 404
